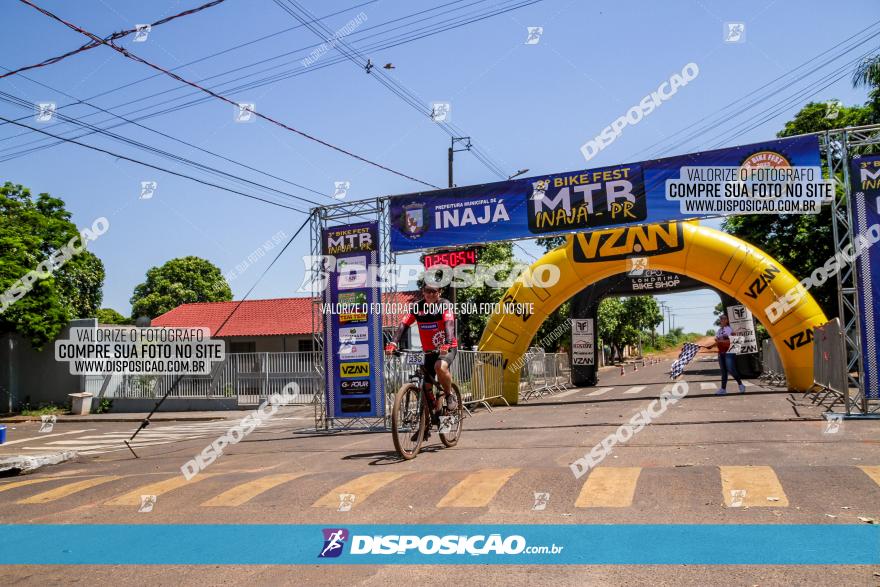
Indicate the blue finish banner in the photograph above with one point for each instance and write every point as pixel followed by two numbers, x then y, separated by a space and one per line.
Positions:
pixel 353 359
pixel 520 544
pixel 865 173
pixel 698 185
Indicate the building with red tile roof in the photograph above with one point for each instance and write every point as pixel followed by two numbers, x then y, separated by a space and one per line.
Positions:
pixel 274 325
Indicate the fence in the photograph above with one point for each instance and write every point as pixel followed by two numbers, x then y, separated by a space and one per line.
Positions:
pixel 543 373
pixel 478 374
pixel 829 360
pixel 250 377
pixel 772 371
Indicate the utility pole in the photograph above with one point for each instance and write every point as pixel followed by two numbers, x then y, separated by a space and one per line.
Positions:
pixel 663 314
pixel 453 150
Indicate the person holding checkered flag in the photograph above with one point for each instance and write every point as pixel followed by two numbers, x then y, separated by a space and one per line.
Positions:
pixel 726 359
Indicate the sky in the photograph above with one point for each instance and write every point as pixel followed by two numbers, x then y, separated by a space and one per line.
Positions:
pixel 524 105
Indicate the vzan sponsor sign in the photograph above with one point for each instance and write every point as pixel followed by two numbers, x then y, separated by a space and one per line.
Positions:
pixel 360 369
pixel 619 243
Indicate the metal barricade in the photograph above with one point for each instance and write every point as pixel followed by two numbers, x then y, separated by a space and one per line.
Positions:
pixel 543 373
pixel 478 374
pixel 772 371
pixel 249 377
pixel 829 362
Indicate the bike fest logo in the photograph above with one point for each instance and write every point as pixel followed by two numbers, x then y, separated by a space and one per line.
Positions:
pixel 334 541
pixel 586 199
pixel 619 243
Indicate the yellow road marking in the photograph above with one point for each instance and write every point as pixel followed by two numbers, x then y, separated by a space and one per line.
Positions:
pixel 67 489
pixel 872 472
pixel 759 483
pixel 247 491
pixel 477 489
pixel 158 488
pixel 15 484
pixel 609 487
pixel 362 488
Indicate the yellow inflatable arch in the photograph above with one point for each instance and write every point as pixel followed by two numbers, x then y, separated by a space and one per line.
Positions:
pixel 713 257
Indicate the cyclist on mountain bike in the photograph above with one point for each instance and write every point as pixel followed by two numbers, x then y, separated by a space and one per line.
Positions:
pixel 436 321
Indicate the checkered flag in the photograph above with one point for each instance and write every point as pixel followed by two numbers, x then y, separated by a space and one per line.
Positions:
pixel 688 352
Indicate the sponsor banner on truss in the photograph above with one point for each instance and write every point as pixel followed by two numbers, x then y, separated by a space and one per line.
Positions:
pixel 352 339
pixel 866 214
pixel 583 341
pixel 781 176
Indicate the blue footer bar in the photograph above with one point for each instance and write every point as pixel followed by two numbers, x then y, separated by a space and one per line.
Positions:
pixel 635 544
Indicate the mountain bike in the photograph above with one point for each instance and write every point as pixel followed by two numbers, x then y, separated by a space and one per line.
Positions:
pixel 413 410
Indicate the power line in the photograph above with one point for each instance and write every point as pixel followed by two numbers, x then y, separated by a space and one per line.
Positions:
pixel 808 92
pixel 109 38
pixel 719 117
pixel 146 421
pixel 393 85
pixel 103 131
pixel 145 164
pixel 193 62
pixel 291 73
pixel 24 104
pixel 134 57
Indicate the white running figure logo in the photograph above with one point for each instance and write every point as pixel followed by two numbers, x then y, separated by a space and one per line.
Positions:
pixel 335 542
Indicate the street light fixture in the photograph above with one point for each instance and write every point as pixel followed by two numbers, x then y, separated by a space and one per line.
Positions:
pixel 518 173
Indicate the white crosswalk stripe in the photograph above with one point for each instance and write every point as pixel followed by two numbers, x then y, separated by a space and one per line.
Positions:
pixel 748 384
pixel 154 436
pixel 704 385
pixel 601 391
pixel 635 389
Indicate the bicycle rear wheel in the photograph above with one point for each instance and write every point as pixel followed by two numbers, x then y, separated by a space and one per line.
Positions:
pixel 408 421
pixel 453 426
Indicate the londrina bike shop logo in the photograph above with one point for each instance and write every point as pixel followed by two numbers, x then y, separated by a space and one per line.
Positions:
pixel 334 541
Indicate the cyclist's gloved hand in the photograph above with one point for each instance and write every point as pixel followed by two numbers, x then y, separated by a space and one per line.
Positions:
pixel 390 347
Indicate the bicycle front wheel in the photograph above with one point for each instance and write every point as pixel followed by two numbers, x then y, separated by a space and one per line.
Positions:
pixel 408 421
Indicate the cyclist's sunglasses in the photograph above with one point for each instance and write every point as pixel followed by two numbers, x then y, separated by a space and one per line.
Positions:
pixel 429 290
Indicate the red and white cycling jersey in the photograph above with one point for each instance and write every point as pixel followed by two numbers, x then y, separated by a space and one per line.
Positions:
pixel 436 323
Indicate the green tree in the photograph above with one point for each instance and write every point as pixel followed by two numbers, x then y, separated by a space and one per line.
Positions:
pixel 471 326
pixel 32 229
pixel 110 316
pixel 548 335
pixel 179 281
pixel 81 285
pixel 867 74
pixel 624 321
pixel 801 242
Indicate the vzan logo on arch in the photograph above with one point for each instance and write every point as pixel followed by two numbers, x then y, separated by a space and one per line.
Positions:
pixel 620 243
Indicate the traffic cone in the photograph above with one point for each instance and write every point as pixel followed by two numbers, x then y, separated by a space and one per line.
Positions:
pixel 622 370
pixel 635 366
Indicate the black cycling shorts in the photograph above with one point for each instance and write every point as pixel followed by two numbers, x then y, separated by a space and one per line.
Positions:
pixel 431 359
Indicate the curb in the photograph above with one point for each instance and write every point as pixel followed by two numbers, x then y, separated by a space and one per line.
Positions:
pixel 23 419
pixel 23 464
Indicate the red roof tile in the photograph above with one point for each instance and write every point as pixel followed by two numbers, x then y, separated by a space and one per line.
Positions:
pixel 275 317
